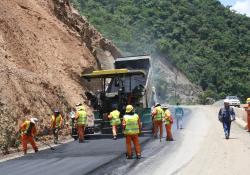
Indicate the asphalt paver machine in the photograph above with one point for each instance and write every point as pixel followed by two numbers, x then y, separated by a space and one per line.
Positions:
pixel 129 83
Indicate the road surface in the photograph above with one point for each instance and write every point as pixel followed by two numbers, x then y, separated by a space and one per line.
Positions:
pixel 200 148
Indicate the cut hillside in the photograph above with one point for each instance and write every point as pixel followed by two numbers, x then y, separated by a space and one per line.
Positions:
pixel 44 46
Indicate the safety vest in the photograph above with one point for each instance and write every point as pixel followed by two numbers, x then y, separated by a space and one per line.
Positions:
pixel 115 118
pixel 28 129
pixel 56 121
pixel 159 114
pixel 168 117
pixel 82 119
pixel 132 126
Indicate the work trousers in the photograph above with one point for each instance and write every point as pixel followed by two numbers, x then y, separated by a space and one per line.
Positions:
pixel 28 139
pixel 135 140
pixel 81 129
pixel 55 134
pixel 157 126
pixel 226 127
pixel 248 122
pixel 114 130
pixel 169 132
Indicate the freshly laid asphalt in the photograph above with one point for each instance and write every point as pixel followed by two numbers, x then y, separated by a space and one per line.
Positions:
pixel 91 157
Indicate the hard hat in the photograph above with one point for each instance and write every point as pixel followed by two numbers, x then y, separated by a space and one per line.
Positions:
pixel 164 107
pixel 56 111
pixel 248 100
pixel 78 104
pixel 157 104
pixel 80 108
pixel 129 108
pixel 33 120
pixel 226 101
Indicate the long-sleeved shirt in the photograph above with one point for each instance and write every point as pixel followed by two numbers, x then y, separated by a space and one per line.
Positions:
pixel 226 114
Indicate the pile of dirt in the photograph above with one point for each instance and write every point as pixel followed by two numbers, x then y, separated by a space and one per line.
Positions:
pixel 44 46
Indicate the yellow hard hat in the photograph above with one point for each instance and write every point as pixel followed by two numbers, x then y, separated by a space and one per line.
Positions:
pixel 248 100
pixel 129 108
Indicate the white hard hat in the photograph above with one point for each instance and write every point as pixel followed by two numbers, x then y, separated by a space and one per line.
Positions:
pixel 34 120
pixel 226 101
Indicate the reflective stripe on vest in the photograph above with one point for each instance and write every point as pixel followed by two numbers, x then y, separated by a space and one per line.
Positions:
pixel 27 128
pixel 167 116
pixel 56 121
pixel 82 119
pixel 131 124
pixel 159 114
pixel 115 117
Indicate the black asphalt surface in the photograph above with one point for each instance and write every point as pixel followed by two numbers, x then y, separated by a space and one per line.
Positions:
pixel 69 159
pixel 94 156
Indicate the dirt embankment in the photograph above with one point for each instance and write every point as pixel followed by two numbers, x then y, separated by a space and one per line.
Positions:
pixel 44 46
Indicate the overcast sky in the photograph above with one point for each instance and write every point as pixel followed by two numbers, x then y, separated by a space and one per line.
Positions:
pixel 241 6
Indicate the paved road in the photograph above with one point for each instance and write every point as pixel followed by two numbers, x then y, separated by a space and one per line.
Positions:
pixel 71 158
pixel 200 148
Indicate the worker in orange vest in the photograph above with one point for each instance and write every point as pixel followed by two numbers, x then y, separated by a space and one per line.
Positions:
pixel 247 109
pixel 157 119
pixel 56 124
pixel 115 121
pixel 28 132
pixel 81 120
pixel 168 120
pixel 132 127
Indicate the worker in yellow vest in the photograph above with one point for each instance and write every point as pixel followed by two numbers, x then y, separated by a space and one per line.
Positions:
pixel 168 121
pixel 115 121
pixel 81 120
pixel 132 127
pixel 56 124
pixel 28 132
pixel 158 116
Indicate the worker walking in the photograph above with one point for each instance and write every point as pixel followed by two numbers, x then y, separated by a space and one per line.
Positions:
pixel 179 113
pixel 81 120
pixel 56 124
pixel 226 116
pixel 157 119
pixel 168 120
pixel 132 127
pixel 115 121
pixel 247 109
pixel 28 132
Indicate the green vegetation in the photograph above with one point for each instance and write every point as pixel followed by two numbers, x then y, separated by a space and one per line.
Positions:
pixel 204 39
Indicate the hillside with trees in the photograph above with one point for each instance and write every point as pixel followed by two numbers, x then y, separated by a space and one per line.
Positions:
pixel 204 39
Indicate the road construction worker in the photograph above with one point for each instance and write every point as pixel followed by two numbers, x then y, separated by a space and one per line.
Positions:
pixel 179 113
pixel 132 127
pixel 247 109
pixel 115 120
pixel 56 124
pixel 81 120
pixel 158 115
pixel 28 132
pixel 226 116
pixel 168 121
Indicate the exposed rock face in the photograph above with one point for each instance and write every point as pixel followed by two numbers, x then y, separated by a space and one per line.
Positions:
pixel 44 46
pixel 175 87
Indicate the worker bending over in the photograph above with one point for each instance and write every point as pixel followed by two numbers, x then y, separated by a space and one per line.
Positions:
pixel 28 132
pixel 132 127
pixel 56 124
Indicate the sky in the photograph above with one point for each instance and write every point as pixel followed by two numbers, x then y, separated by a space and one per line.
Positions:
pixel 240 6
